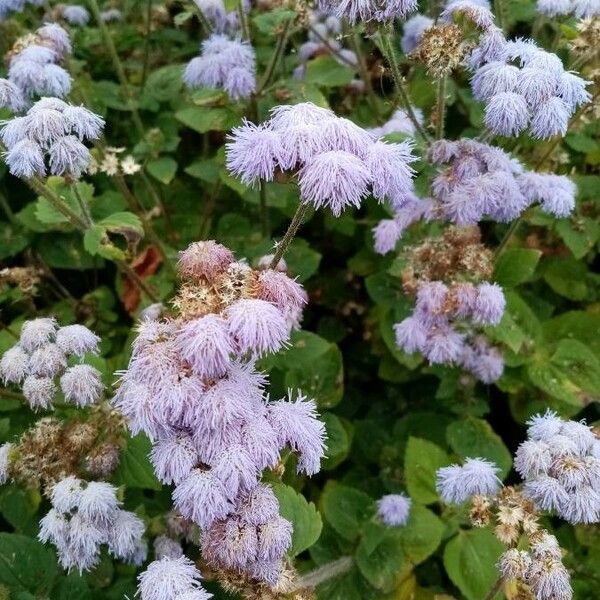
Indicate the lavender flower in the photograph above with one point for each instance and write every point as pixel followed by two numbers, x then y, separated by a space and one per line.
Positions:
pixel 56 36
pixel 371 10
pixel 477 476
pixel 550 119
pixel 413 31
pixel 77 340
pixel 75 14
pixel 14 365
pixel 390 170
pixel 39 391
pixel 224 63
pixel 394 509
pixel 489 304
pixel 82 385
pixel 555 192
pixel 5 450
pixel 11 96
pixel 507 114
pixel 170 578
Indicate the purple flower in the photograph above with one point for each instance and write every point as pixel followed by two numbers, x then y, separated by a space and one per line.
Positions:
pixel 536 85
pixel 57 36
pixel 555 192
pixel 370 10
pixel 11 96
pixel 543 427
pixel 475 11
pixel 77 340
pixel 14 366
pixel 256 326
pixel 125 537
pixel 201 497
pixel 235 470
pixel 533 458
pixel 386 235
pixel 274 538
pixel 444 345
pixel 494 78
pixel 342 134
pixel 82 122
pixel 47 361
pixel 394 509
pixel 550 118
pixel 173 458
pixel 13 131
pixel 546 492
pixel 391 174
pixel 253 152
pixel 168 579
pixel 305 113
pixel 584 9
pixel 97 502
pixel 25 159
pixel 297 425
pixel 261 442
pixel 39 391
pixel 335 179
pixel 553 8
pixel 240 83
pixel 571 88
pixel 477 476
pixel 507 114
pixel 489 305
pixel 206 344
pixel 258 506
pixel 411 334
pixel 282 291
pixel 76 15
pixel 431 297
pixel 82 385
pixel 37 333
pixel 67 155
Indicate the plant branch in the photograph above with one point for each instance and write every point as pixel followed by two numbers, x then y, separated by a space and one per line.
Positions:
pixel 387 43
pixel 10 394
pixel 440 108
pixel 321 574
pixel 282 40
pixel 289 234
pixel 118 65
pixel 495 589
pixel 146 44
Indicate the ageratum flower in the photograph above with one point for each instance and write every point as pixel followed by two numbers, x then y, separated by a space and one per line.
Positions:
pixel 394 509
pixel 476 476
pixel 170 578
pixel 583 9
pixel 224 63
pixel 11 96
pixel 368 10
pixel 75 14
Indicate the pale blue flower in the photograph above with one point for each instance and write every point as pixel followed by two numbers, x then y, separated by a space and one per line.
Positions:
pixel 550 118
pixel 394 509
pixel 11 96
pixel 413 32
pixel 507 114
pixel 76 14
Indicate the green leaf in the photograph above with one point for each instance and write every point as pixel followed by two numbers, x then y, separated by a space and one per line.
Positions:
pixel 325 71
pixel 165 83
pixel 422 459
pixel 381 563
pixel 346 509
pixel 576 324
pixel 73 587
pixel 163 169
pixel 474 438
pixel 422 535
pixel 65 251
pixel 12 240
pixel 567 277
pixel 206 170
pixel 134 469
pixel 303 515
pixel 203 120
pixel 26 565
pixel 18 507
pixel 337 441
pixel 470 560
pixel 124 223
pixel 271 22
pixel 579 234
pixel 571 374
pixel 92 239
pixel 302 260
pixel 581 142
pixel 515 266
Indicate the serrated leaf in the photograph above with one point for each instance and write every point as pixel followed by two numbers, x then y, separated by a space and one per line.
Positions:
pixel 124 223
pixel 303 515
pixel 382 563
pixel 325 71
pixel 422 459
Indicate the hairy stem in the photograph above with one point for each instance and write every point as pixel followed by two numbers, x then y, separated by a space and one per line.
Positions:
pixel 387 43
pixel 333 569
pixel 440 108
pixel 173 237
pixel 289 234
pixel 205 22
pixel 282 40
pixel 364 73
pixel 243 20
pixel 5 393
pixel 37 184
pixel 87 217
pixel 146 44
pixel 264 210
pixel 118 65
pixel 10 215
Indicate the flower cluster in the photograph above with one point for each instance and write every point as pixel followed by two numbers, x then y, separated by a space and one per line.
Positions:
pixel 441 311
pixel 192 387
pixel 476 477
pixel 110 163
pixel 86 515
pixel 41 356
pixel 322 39
pixel 394 509
pixel 584 9
pixel 171 578
pixel 9 6
pixel 224 63
pixel 49 138
pixel 560 464
pixel 368 10
pixel 33 65
pixel 75 14
pixel 482 180
pixel 336 161
pixel 525 87
pixel 540 569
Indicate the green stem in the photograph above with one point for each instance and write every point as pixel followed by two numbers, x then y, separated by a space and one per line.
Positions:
pixel 205 22
pixel 243 20
pixel 87 217
pixel 160 205
pixel 146 44
pixel 321 574
pixel 510 232
pixel 39 187
pixel 364 73
pixel 495 589
pixel 264 210
pixel 275 57
pixel 10 215
pixel 4 393
pixel 289 234
pixel 331 49
pixel 440 108
pixel 387 42
pixel 118 65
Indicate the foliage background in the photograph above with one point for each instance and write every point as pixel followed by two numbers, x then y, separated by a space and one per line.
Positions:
pixel 391 419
